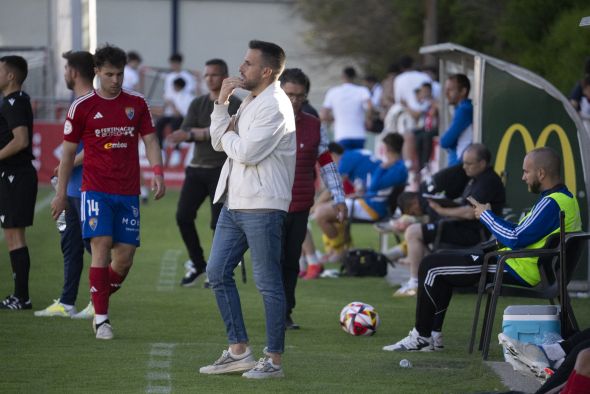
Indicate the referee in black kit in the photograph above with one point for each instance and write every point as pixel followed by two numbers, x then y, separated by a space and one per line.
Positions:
pixel 18 177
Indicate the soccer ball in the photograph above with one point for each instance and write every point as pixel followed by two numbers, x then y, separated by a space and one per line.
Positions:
pixel 358 318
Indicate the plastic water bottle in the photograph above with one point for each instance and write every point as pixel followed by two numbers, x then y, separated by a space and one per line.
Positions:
pixel 61 219
pixel 405 363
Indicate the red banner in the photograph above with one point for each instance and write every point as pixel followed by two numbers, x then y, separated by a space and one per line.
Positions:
pixel 47 139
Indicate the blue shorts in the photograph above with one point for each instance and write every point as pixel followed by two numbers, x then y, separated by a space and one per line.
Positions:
pixel 111 215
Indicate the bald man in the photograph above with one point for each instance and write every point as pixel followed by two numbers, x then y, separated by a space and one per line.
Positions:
pixel 439 273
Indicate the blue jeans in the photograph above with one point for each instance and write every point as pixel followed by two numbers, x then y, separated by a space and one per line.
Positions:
pixel 234 234
pixel 72 247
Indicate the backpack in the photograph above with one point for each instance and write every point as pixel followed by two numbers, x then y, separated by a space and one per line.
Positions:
pixel 364 262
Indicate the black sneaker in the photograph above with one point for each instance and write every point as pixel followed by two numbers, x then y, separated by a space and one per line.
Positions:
pixel 14 303
pixel 290 324
pixel 191 276
pixel 9 298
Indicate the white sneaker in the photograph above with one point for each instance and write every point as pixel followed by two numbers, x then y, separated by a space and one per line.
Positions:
pixel 437 340
pixel 56 309
pixel 412 343
pixel 189 264
pixel 103 330
pixel 529 354
pixel 86 313
pixel 229 362
pixel 265 369
pixel 410 289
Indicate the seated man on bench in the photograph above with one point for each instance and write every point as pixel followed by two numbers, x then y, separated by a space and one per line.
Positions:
pixel 484 185
pixel 371 203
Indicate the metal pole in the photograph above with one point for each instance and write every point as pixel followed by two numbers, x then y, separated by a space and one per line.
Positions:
pixel 174 26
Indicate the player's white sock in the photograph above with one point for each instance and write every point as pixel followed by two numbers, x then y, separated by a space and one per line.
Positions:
pixel 100 318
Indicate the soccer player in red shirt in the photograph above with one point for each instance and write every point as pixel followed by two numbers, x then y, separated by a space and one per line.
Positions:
pixel 109 121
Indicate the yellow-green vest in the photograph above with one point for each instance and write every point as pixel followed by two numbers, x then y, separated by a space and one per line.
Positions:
pixel 526 267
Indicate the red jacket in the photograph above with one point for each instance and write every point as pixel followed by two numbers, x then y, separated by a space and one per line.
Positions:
pixel 307 133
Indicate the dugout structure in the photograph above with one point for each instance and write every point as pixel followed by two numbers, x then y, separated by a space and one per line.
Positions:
pixel 515 111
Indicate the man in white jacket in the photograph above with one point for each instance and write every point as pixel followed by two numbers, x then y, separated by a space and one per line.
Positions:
pixel 255 187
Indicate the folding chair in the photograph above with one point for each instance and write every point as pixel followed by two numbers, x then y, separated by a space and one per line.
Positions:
pixel 560 250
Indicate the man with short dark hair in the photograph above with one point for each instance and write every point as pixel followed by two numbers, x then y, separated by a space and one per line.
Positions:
pixel 349 107
pixel 109 121
pixel 255 185
pixel 312 148
pixel 441 272
pixel 18 177
pixel 202 174
pixel 78 76
pixel 460 132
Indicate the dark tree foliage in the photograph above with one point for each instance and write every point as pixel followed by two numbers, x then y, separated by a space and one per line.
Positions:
pixel 541 35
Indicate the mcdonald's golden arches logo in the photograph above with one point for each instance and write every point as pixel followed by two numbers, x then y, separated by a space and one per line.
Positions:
pixel 566 149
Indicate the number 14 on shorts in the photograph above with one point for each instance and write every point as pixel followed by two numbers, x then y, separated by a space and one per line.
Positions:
pixel 92 207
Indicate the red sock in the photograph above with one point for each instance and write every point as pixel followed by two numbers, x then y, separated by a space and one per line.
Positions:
pixel 115 280
pixel 99 289
pixel 577 384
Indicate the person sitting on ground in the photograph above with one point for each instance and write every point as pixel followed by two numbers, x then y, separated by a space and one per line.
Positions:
pixel 372 203
pixel 569 359
pixel 441 272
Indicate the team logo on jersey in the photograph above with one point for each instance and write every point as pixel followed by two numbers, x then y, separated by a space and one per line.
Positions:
pixel 93 222
pixel 67 127
pixel 11 101
pixel 130 111
pixel 135 211
pixel 2 218
pixel 10 178
pixel 98 116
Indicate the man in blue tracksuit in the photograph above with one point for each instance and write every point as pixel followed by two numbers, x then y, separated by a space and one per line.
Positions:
pixel 441 272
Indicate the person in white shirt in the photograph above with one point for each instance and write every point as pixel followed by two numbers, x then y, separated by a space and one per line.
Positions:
pixel 179 101
pixel 375 124
pixel 348 106
pixel 406 83
pixel 175 62
pixel 131 77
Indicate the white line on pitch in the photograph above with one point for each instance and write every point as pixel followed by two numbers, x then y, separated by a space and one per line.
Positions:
pixel 168 267
pixel 158 375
